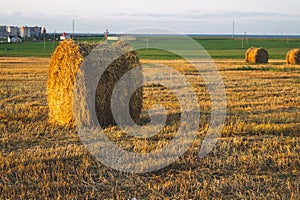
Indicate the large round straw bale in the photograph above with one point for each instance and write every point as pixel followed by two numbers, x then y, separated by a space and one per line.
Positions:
pixel 65 65
pixel 257 55
pixel 293 57
pixel 108 81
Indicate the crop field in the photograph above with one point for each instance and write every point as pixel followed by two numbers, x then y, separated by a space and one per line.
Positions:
pixel 217 47
pixel 256 157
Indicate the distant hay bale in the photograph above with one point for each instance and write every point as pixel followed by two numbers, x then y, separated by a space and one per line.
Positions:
pixel 64 66
pixel 257 55
pixel 293 57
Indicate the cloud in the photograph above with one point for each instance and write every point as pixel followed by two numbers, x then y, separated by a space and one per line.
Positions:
pixel 194 21
pixel 223 14
pixel 55 22
pixel 199 15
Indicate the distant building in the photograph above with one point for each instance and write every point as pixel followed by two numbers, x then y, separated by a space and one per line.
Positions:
pixel 65 36
pixel 13 30
pixel 12 39
pixel 121 37
pixel 3 32
pixel 112 38
pixel 30 32
pixel 127 37
pixel 25 32
pixel 36 32
pixel 2 28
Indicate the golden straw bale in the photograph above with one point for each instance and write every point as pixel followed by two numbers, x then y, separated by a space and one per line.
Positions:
pixel 257 55
pixel 293 57
pixel 110 78
pixel 65 66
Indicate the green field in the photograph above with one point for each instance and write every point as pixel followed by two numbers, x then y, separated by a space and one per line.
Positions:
pixel 28 49
pixel 229 48
pixel 217 47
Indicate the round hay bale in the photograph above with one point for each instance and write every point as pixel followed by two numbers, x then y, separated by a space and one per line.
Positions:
pixel 293 57
pixel 65 66
pixel 257 55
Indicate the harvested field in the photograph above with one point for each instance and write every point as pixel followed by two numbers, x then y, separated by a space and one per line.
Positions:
pixel 258 155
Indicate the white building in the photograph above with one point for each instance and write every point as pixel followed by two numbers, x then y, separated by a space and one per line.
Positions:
pixel 25 32
pixel 11 39
pixel 112 38
pixel 127 37
pixel 12 30
pixel 30 32
pixel 121 37
pixel 65 36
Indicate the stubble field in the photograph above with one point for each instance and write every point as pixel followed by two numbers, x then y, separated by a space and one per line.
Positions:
pixel 258 155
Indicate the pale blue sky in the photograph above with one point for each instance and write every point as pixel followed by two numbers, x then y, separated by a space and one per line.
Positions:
pixel 188 16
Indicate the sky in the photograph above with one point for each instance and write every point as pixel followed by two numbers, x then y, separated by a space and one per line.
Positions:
pixel 188 16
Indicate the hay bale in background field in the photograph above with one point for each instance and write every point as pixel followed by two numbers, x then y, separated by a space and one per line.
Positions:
pixel 257 55
pixel 293 57
pixel 64 66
